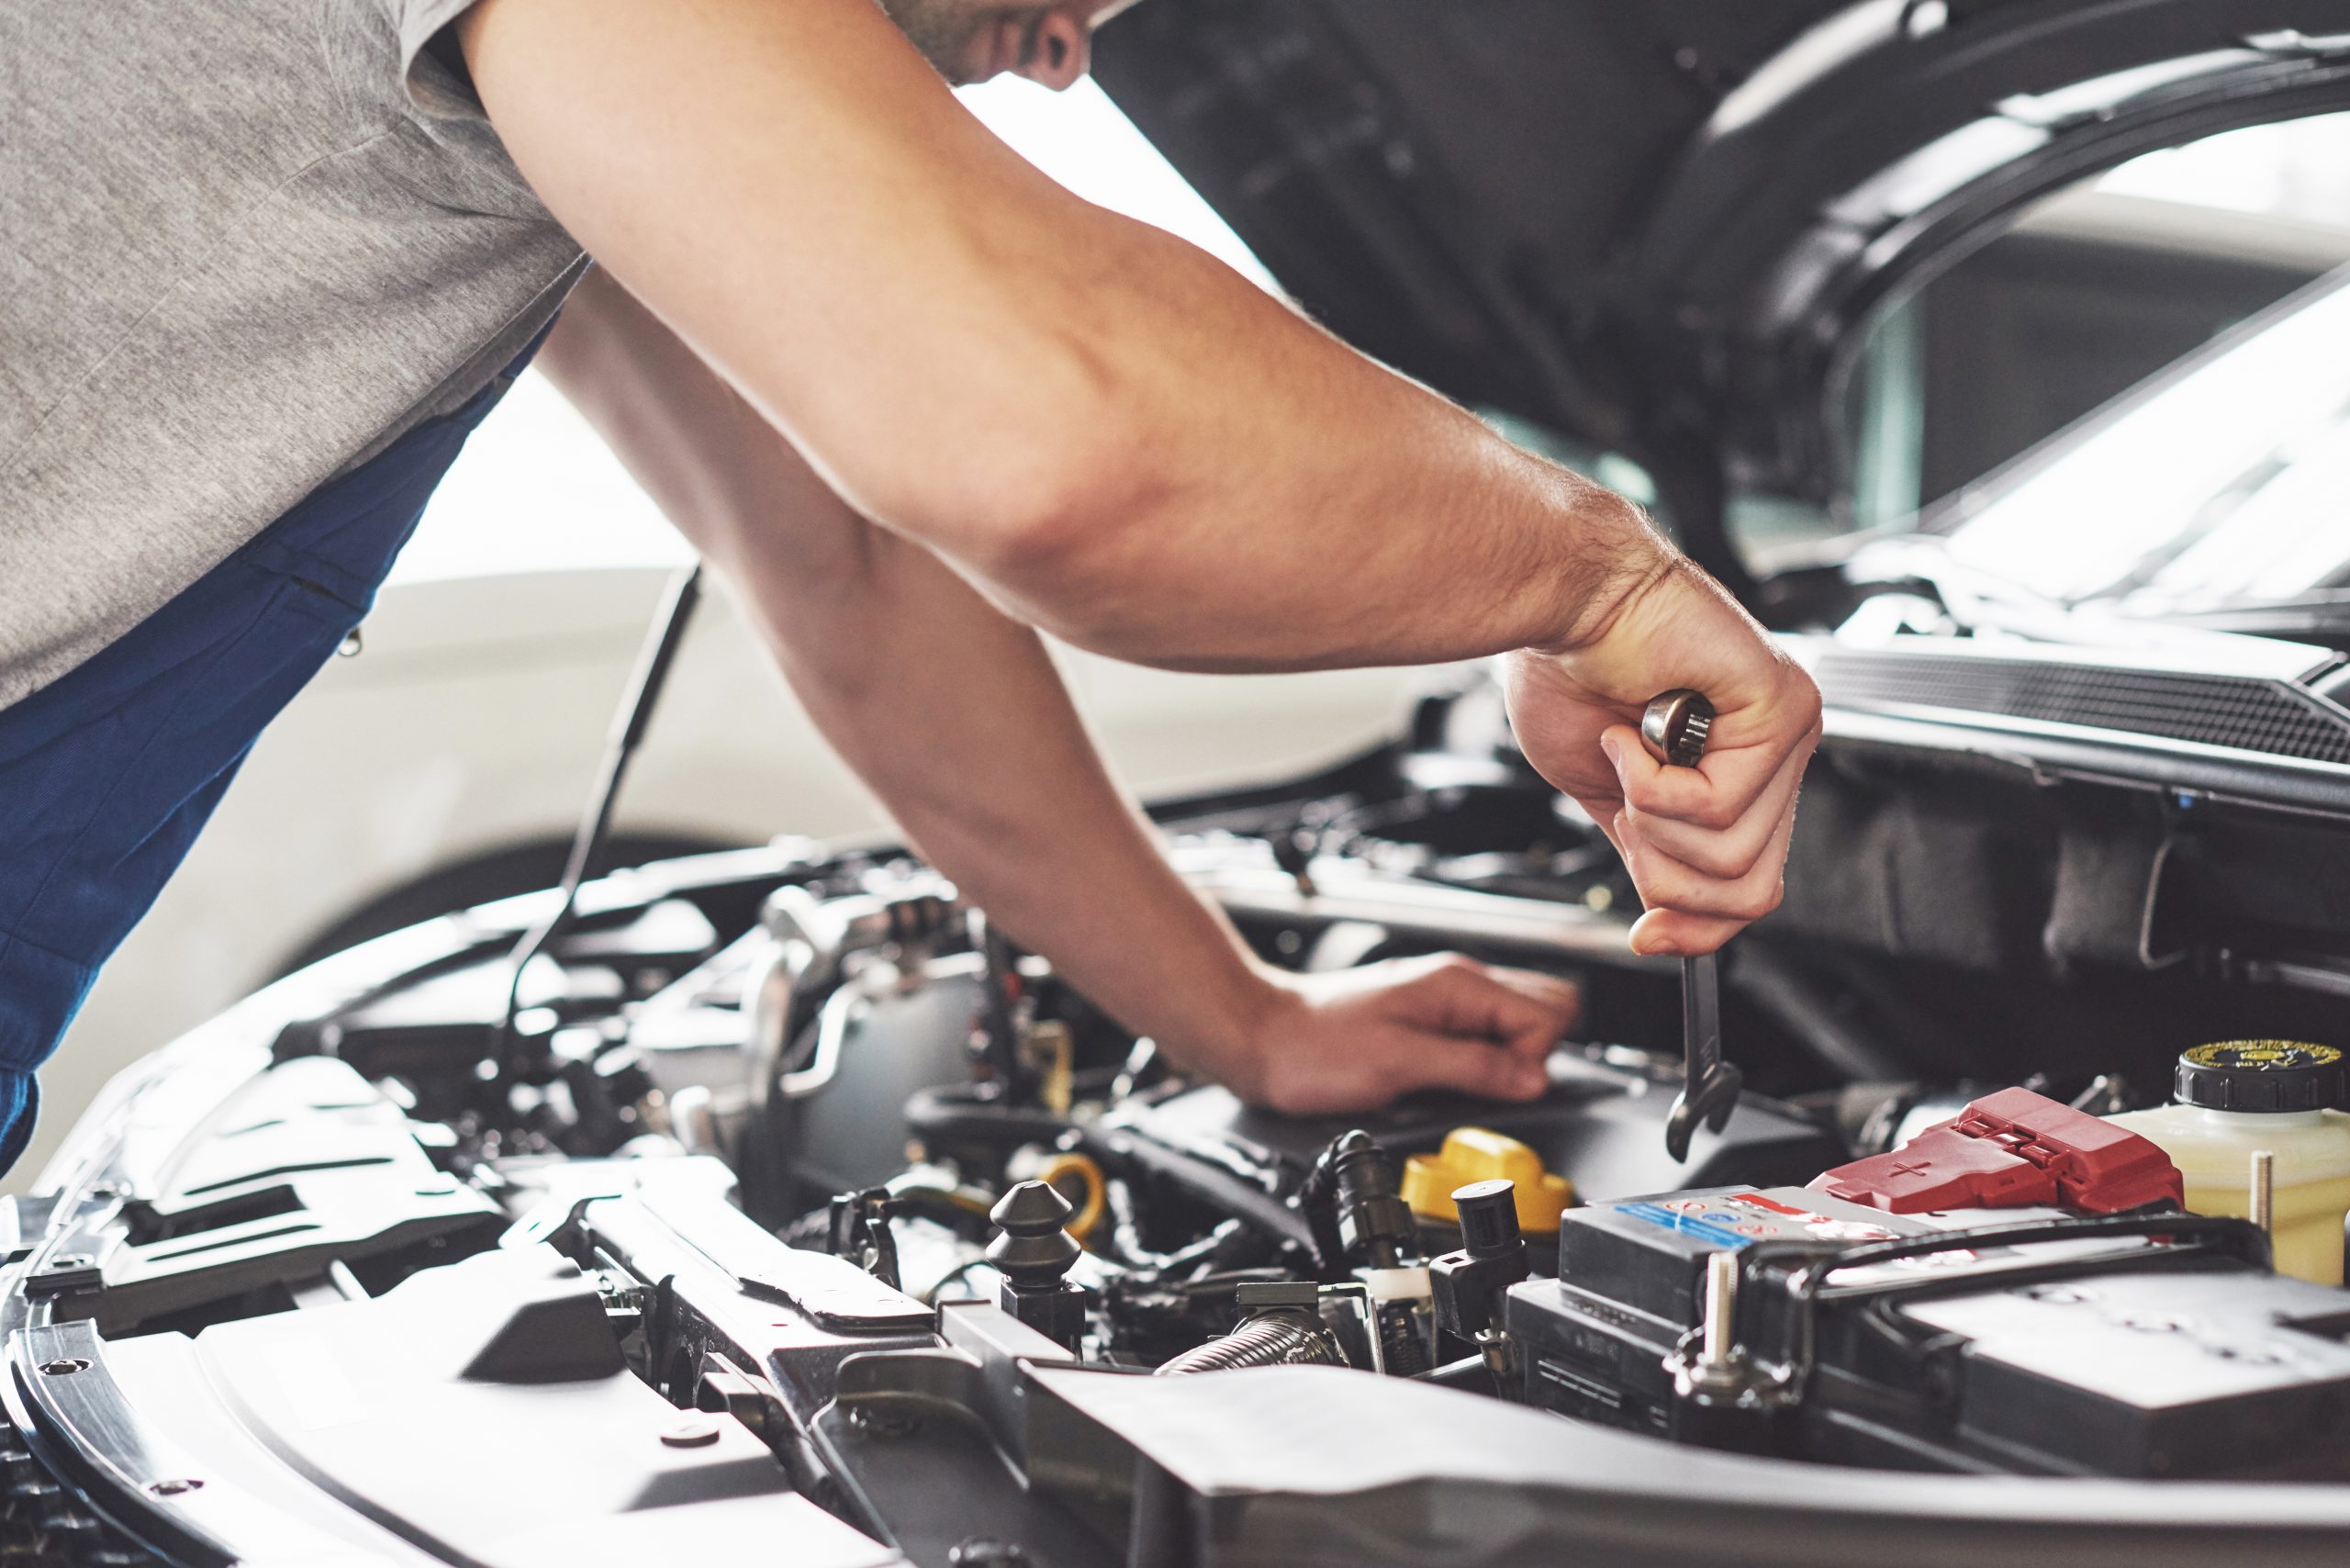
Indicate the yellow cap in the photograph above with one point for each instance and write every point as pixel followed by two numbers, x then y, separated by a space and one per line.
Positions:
pixel 1480 1154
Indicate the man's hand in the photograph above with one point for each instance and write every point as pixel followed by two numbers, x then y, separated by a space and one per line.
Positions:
pixel 1705 845
pixel 1355 1039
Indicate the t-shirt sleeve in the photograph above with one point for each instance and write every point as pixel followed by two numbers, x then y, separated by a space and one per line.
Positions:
pixel 433 71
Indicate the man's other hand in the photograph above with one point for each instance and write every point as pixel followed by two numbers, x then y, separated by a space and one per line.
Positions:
pixel 1356 1040
pixel 1706 846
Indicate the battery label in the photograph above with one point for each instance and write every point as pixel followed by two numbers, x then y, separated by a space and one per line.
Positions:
pixel 1705 1225
pixel 1776 1207
pixel 1733 1219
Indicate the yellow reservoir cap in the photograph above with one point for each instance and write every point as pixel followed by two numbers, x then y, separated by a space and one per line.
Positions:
pixel 1480 1154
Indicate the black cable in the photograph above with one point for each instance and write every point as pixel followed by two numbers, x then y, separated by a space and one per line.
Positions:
pixel 635 714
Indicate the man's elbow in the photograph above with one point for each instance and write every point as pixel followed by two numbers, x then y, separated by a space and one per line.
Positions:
pixel 1054 520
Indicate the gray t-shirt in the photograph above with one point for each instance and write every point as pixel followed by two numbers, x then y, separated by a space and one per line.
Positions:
pixel 244 244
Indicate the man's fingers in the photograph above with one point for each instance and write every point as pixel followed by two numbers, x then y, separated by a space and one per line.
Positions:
pixel 1362 1037
pixel 1707 847
pixel 1671 932
pixel 1559 1000
pixel 1714 794
pixel 1474 1067
pixel 1733 851
pixel 1555 991
pixel 1719 907
pixel 1470 999
pixel 1666 882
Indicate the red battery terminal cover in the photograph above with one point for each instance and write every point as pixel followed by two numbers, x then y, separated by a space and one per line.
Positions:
pixel 2012 1149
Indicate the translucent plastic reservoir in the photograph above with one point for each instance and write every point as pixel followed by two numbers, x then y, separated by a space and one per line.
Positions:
pixel 2213 1152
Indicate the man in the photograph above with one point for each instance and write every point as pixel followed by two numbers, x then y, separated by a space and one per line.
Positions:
pixel 267 261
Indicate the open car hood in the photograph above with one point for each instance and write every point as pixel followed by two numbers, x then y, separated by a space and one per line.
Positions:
pixel 1662 228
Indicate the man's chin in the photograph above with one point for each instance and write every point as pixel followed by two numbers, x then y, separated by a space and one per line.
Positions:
pixel 957 46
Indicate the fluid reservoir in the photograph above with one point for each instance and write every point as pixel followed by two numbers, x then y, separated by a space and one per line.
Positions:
pixel 2238 1097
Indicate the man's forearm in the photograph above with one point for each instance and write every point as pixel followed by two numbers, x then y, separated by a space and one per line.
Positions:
pixel 958 718
pixel 1118 437
pixel 954 714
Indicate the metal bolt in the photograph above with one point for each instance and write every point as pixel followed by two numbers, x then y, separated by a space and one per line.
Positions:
pixel 177 1487
pixel 63 1365
pixel 1499 1352
pixel 1719 1345
pixel 693 1432
pixel 874 1422
pixel 980 1552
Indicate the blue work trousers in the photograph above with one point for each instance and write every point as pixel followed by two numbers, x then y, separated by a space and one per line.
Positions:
pixel 108 774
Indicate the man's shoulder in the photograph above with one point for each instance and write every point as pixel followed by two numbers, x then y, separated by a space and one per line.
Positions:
pixel 246 256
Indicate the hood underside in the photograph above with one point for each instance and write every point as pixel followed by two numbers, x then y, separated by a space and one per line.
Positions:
pixel 1662 228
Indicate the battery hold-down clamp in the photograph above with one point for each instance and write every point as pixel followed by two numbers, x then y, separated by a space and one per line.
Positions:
pixel 2012 1149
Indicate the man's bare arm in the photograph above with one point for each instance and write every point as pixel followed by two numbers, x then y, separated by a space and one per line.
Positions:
pixel 958 718
pixel 1115 432
pixel 1112 434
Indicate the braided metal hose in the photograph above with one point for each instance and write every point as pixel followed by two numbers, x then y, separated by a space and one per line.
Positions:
pixel 1268 1339
pixel 1405 1352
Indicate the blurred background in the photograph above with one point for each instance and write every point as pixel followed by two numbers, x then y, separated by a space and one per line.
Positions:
pixel 444 762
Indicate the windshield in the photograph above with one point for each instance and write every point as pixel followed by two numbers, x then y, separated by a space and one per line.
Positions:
pixel 2226 483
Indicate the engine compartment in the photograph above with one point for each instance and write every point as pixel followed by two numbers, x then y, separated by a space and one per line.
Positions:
pixel 955 1269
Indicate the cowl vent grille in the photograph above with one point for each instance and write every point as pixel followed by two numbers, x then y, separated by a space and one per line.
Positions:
pixel 2239 713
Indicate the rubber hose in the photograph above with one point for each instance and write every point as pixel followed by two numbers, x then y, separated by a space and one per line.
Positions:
pixel 1270 1340
pixel 1227 1194
pixel 944 1115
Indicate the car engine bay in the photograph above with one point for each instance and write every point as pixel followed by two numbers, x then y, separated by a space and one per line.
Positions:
pixel 896 1243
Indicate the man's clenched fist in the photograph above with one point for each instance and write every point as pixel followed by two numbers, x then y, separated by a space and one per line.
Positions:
pixel 1706 846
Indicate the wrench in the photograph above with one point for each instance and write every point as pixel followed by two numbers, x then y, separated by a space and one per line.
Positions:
pixel 1674 728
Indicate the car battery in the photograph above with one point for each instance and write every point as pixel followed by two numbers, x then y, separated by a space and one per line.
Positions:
pixel 2018 1341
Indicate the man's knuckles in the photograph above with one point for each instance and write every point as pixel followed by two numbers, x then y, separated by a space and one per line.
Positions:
pixel 1684 795
pixel 1666 884
pixel 1723 857
pixel 1666 878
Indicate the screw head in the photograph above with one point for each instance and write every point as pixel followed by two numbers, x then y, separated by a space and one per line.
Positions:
pixel 693 1432
pixel 176 1486
pixel 64 1366
pixel 67 1262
